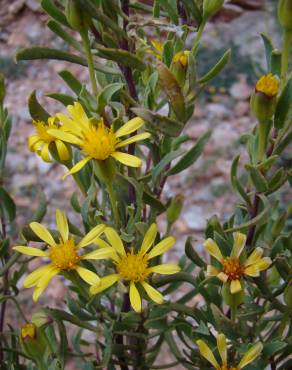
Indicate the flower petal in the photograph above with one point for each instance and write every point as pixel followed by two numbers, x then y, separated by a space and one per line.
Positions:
pixel 32 140
pixel 264 263
pixel 212 271
pixel 65 136
pixel 250 355
pixel 69 124
pixel 152 293
pixel 78 114
pixel 149 238
pixel 133 139
pixel 135 298
pixel 222 348
pixel 165 268
pixel 206 352
pixel 30 251
pixel 162 247
pixel 44 281
pixel 129 127
pixel 100 254
pixel 235 286
pixel 115 240
pixel 252 270
pixel 45 154
pixel 239 243
pixel 101 243
pixel 62 224
pixel 254 257
pixel 127 159
pixel 62 150
pixel 90 277
pixel 77 167
pixel 222 276
pixel 34 276
pixel 91 236
pixel 104 284
pixel 43 233
pixel 213 249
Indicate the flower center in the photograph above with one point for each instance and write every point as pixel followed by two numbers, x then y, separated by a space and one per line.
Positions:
pixel 232 268
pixel 99 142
pixel 64 255
pixel 228 368
pixel 42 129
pixel 268 84
pixel 133 266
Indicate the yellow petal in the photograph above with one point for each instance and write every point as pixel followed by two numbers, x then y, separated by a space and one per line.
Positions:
pixel 32 140
pixel 152 293
pixel 250 355
pixel 133 139
pixel 252 270
pixel 213 249
pixel 254 257
pixel 42 233
pixel 100 254
pixel 91 236
pixel 45 154
pixel 212 271
pixel 127 159
pixel 77 167
pixel 62 149
pixel 239 243
pixel 222 348
pixel 90 277
pixel 206 352
pixel 34 276
pixel 129 127
pixel 104 284
pixel 264 263
pixel 65 136
pixel 101 243
pixel 135 298
pixel 115 240
pixel 162 247
pixel 44 281
pixel 62 224
pixel 69 124
pixel 235 286
pixel 222 276
pixel 78 114
pixel 165 268
pixel 30 251
pixel 149 238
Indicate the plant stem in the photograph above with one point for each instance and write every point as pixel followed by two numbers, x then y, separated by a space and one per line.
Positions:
pixel 113 201
pixel 87 49
pixel 198 38
pixel 287 39
pixel 262 143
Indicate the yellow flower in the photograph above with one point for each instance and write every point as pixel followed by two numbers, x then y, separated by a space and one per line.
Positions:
pixel 268 85
pixel 233 270
pixel 28 331
pixel 134 266
pixel 42 141
pixel 182 57
pixel 64 255
pixel 207 353
pixel 96 140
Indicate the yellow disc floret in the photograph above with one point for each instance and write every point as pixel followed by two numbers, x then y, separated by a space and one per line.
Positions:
pixel 99 141
pixel 64 255
pixel 43 127
pixel 268 85
pixel 232 268
pixel 133 266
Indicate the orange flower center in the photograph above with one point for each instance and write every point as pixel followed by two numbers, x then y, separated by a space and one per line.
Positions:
pixel 133 266
pixel 232 268
pixel 64 255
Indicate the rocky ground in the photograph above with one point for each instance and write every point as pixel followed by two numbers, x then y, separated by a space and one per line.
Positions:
pixel 224 109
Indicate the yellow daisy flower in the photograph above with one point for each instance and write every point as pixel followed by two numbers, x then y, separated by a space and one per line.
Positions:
pixel 268 85
pixel 41 142
pixel 133 266
pixel 64 255
pixel 182 57
pixel 233 270
pixel 207 353
pixel 96 140
pixel 157 50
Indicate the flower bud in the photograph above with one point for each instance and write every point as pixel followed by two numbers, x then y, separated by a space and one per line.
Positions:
pixel 78 19
pixel 211 7
pixel 174 210
pixel 33 341
pixel 232 299
pixel 2 89
pixel 263 99
pixel 285 14
pixel 179 66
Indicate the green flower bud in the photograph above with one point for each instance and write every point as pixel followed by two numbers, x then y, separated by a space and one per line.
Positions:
pixel 179 66
pixel 285 14
pixel 105 170
pixel 211 7
pixel 2 89
pixel 232 299
pixel 33 341
pixel 174 210
pixel 78 19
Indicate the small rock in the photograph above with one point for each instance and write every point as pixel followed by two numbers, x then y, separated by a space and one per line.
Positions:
pixel 33 5
pixel 240 90
pixel 196 217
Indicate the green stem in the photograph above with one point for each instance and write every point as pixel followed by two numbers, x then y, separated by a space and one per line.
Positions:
pixel 233 310
pixel 287 39
pixel 198 38
pixel 87 49
pixel 262 143
pixel 113 201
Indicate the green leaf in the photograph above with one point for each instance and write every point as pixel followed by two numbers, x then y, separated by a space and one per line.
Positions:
pixel 71 81
pixel 58 30
pixel 106 94
pixel 193 9
pixel 268 49
pixel 122 57
pixel 150 199
pixel 54 12
pixel 235 182
pixel 217 68
pixel 38 52
pixel 270 349
pixel 283 105
pixel 62 98
pixel 37 112
pixel 276 58
pixel 193 255
pixel 191 156
pixel 8 204
pixel 277 180
pixel 171 8
pixel 41 210
pixel 257 178
pixel 156 171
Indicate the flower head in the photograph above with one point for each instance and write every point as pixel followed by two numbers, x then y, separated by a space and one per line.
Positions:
pixel 64 255
pixel 97 141
pixel 28 331
pixel 157 50
pixel 41 142
pixel 182 57
pixel 207 353
pixel 268 85
pixel 233 270
pixel 135 267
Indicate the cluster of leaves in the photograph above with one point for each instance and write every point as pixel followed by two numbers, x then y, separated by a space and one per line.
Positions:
pixel 132 77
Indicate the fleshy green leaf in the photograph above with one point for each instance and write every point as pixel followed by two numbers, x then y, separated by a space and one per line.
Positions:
pixel 217 68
